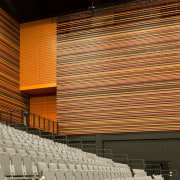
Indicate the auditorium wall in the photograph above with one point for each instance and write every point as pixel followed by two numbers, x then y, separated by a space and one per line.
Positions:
pixel 38 56
pixel 154 147
pixel 11 99
pixel 38 65
pixel 118 69
pixel 117 78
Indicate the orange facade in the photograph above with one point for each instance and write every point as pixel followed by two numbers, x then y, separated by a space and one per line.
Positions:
pixel 38 54
pixel 44 106
pixel 38 65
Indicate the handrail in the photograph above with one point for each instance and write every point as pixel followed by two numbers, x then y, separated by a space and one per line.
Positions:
pixel 30 121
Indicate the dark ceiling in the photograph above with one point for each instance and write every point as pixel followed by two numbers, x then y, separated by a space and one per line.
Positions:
pixel 28 10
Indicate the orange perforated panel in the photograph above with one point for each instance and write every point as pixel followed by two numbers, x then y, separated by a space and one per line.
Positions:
pixel 38 54
pixel 44 106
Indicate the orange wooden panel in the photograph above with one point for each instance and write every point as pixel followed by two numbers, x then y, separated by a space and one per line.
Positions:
pixel 44 106
pixel 38 54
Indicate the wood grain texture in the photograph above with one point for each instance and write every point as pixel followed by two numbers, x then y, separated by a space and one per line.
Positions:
pixel 119 71
pixel 11 99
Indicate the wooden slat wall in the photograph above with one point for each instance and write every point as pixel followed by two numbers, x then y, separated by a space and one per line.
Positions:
pixel 119 71
pixel 45 106
pixel 38 54
pixel 10 96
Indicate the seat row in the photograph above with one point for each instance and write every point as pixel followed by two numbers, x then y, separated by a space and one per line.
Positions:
pixel 76 172
pixel 23 167
pixel 15 165
pixel 50 157
pixel 29 156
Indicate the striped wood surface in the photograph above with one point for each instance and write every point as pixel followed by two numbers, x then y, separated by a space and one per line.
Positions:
pixel 10 96
pixel 119 71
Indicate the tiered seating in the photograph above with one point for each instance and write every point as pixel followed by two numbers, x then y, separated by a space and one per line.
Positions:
pixel 1 174
pixel 158 177
pixel 140 174
pixel 27 156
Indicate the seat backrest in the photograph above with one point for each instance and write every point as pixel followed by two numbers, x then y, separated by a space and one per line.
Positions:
pixel 33 153
pixel 108 169
pixel 101 176
pixel 90 175
pixel 17 163
pixel 53 166
pixel 5 164
pixel 1 149
pixel 78 167
pixel 61 161
pixel 49 154
pixel 60 175
pixel 84 175
pixel 28 164
pixel 10 150
pixel 41 154
pixel 57 156
pixel 62 166
pixel 84 167
pixel 55 161
pixel 21 151
pixel 27 146
pixel 90 168
pixel 69 175
pixel 37 159
pixel 78 175
pixel 96 175
pixel 71 166
pixel 49 174
pixel 42 166
pixel 9 143
pixel 47 160
pixel 96 168
pixel 2 174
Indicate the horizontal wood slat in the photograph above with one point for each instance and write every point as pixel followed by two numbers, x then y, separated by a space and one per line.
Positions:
pixel 11 99
pixel 119 71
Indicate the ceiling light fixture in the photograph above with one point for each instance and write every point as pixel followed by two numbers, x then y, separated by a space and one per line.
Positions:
pixel 91 8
